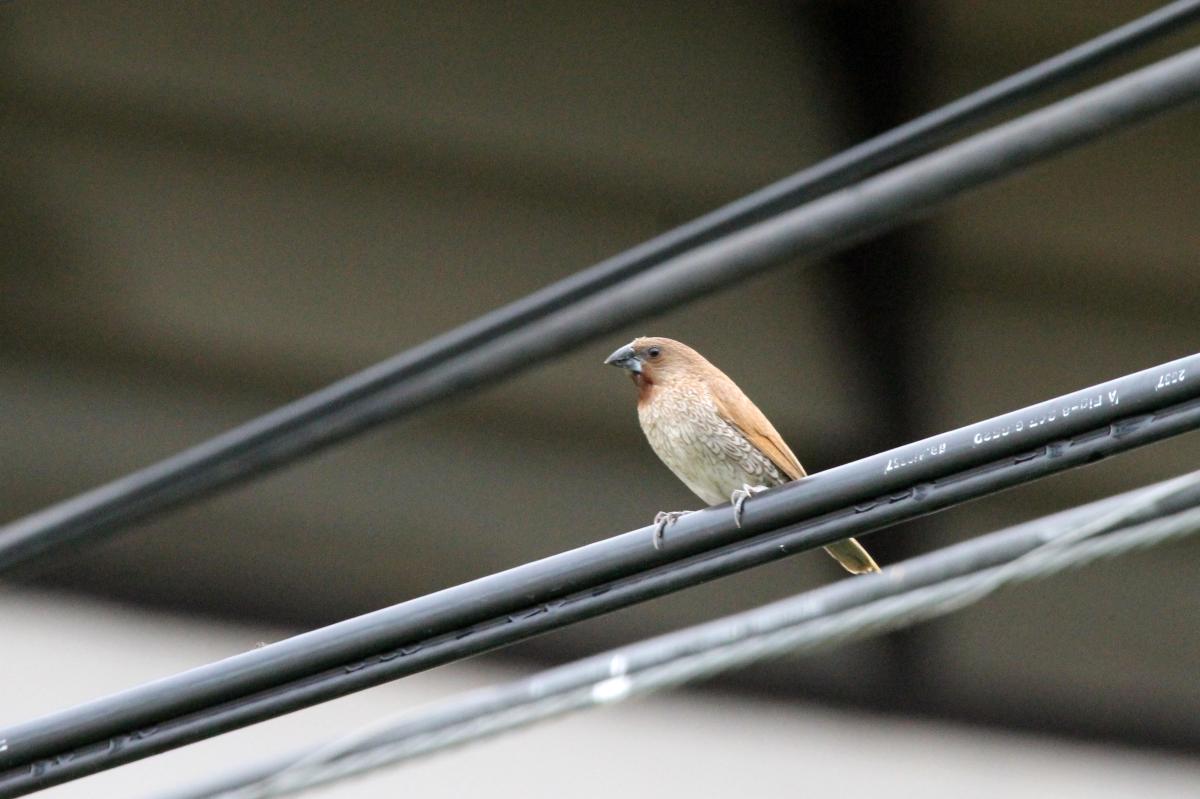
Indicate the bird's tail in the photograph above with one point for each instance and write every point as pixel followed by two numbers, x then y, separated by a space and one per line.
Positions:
pixel 852 556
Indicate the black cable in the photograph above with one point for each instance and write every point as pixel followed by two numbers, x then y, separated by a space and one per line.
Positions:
pixel 408 381
pixel 617 673
pixel 534 598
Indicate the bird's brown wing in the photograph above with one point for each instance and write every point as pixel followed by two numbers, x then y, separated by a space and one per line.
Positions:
pixel 736 408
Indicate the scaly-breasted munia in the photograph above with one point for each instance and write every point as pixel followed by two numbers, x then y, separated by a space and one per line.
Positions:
pixel 711 435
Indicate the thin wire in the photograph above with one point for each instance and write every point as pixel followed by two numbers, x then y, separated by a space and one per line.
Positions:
pixel 403 384
pixel 748 638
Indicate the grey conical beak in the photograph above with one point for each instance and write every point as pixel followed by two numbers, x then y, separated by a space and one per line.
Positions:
pixel 625 358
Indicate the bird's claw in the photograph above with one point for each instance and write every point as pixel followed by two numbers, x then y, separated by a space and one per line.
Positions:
pixel 739 497
pixel 664 519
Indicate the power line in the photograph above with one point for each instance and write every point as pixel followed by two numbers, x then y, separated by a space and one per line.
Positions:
pixel 494 611
pixel 915 590
pixel 417 377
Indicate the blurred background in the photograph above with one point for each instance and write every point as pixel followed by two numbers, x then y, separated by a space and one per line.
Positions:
pixel 213 208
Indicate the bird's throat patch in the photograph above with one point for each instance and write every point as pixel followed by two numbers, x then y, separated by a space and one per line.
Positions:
pixel 644 384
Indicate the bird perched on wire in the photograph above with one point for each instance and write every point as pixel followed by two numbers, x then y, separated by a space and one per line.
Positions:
pixel 711 435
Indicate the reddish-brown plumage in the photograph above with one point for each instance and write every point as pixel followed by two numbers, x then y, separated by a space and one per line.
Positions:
pixel 709 433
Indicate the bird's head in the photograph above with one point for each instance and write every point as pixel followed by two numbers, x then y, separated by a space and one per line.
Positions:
pixel 654 361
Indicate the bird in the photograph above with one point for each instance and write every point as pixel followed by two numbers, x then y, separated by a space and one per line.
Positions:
pixel 709 433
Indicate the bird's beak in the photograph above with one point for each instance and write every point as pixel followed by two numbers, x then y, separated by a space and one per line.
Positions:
pixel 625 358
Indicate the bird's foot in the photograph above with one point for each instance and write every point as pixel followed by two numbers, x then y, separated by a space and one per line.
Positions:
pixel 739 497
pixel 663 520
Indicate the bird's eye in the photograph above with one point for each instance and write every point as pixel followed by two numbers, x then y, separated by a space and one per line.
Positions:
pixel 654 352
